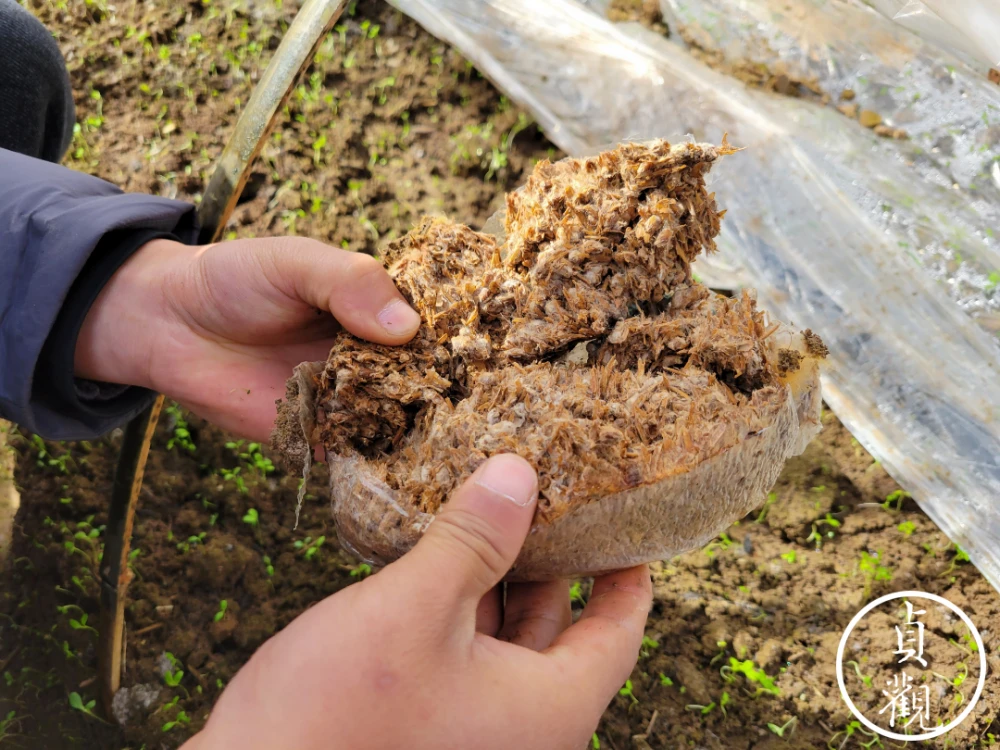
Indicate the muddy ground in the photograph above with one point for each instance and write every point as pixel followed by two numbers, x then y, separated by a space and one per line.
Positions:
pixel 390 124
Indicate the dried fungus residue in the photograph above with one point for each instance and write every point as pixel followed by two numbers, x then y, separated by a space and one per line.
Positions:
pixel 582 342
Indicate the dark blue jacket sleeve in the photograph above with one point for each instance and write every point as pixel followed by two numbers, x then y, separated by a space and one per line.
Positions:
pixel 62 233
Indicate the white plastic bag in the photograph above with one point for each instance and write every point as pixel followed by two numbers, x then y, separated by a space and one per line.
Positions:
pixel 885 248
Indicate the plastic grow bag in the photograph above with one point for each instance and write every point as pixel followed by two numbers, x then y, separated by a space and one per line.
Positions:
pixel 885 247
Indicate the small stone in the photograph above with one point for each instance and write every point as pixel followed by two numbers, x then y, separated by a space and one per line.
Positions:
pixel 847 95
pixel 889 132
pixel 994 76
pixel 869 119
pixel 851 110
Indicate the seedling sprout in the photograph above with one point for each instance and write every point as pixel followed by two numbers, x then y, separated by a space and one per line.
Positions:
pixel 182 718
pixel 361 570
pixel 788 726
pixel 627 691
pixel 76 703
pixel 765 684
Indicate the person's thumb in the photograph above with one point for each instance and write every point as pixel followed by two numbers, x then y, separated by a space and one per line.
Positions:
pixel 355 288
pixel 476 537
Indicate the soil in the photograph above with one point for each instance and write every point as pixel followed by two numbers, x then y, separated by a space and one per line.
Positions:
pixel 388 125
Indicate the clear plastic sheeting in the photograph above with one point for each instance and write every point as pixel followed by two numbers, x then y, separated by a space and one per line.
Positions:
pixel 938 190
pixel 965 27
pixel 885 247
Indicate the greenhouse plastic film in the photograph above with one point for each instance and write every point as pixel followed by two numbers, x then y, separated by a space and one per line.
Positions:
pixel 966 27
pixel 885 247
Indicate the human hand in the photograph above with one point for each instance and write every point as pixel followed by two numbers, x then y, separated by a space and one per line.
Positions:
pixel 219 328
pixel 417 656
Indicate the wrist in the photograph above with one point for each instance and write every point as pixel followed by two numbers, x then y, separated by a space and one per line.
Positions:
pixel 116 340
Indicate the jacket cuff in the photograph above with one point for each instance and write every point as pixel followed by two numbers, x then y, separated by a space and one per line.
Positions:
pixel 86 400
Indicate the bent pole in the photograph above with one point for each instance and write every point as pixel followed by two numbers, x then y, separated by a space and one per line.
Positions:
pixel 313 21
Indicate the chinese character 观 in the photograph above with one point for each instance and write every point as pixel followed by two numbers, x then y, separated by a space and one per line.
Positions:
pixel 907 702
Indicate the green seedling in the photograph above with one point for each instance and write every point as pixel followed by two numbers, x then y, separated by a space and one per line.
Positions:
pixel 960 678
pixel 873 571
pixel 192 541
pixel 65 609
pixel 665 681
pixel 723 702
pixel 848 732
pixel 897 497
pixel 788 726
pixel 77 704
pixel 81 624
pixel 223 605
pixel 268 566
pixel 830 521
pixel 753 674
pixel 722 543
pixel 317 146
pixel 173 676
pixel 816 537
pixel 789 556
pixel 361 570
pixel 182 718
pixel 45 457
pixel 626 691
pixel 10 720
pixel 182 435
pixel 233 475
pixel 971 647
pixel 309 546
pixel 705 710
pixel 251 517
pixel 960 556
pixel 252 455
pixel 722 645
pixel 907 528
pixel 576 593
pixel 772 497
pixel 957 681
pixel 863 677
pixel 595 743
pixel 648 644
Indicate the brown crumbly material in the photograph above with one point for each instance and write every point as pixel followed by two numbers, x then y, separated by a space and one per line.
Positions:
pixel 814 344
pixel 646 12
pixel 580 341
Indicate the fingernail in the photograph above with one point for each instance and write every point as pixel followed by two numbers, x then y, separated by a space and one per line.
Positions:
pixel 398 318
pixel 510 477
